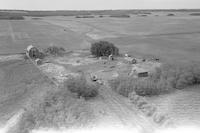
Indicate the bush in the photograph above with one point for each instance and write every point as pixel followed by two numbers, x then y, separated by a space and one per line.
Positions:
pixel 79 86
pixel 85 16
pixel 55 51
pixel 120 16
pixel 104 48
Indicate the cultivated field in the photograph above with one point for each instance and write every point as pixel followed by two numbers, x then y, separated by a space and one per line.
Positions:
pixel 171 38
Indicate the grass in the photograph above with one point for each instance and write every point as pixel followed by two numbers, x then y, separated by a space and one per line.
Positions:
pixel 56 109
pixel 182 105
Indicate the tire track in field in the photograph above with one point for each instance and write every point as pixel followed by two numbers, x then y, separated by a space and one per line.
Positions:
pixel 127 115
pixel 11 31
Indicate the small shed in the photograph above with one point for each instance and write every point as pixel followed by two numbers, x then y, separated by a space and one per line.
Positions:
pixel 143 74
pixel 111 58
pixel 32 52
pixel 38 61
pixel 139 72
pixel 127 55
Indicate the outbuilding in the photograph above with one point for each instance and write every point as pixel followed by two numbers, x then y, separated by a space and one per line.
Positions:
pixel 111 58
pixel 38 61
pixel 139 72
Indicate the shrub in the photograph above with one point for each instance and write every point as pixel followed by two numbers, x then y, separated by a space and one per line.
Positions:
pixel 85 16
pixel 54 50
pixel 103 48
pixel 79 86
pixel 170 14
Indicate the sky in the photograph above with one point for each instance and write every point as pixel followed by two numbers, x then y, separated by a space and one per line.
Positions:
pixel 97 4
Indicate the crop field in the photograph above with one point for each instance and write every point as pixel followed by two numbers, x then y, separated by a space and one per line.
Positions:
pixel 170 38
pixel 15 36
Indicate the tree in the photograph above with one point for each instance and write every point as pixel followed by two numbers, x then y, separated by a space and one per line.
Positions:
pixel 103 48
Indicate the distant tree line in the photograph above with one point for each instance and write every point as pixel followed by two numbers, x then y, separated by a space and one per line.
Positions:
pixel 11 17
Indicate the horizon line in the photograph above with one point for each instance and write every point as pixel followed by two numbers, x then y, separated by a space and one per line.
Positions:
pixel 100 9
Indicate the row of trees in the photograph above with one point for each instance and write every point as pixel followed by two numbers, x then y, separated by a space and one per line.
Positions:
pixel 166 79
